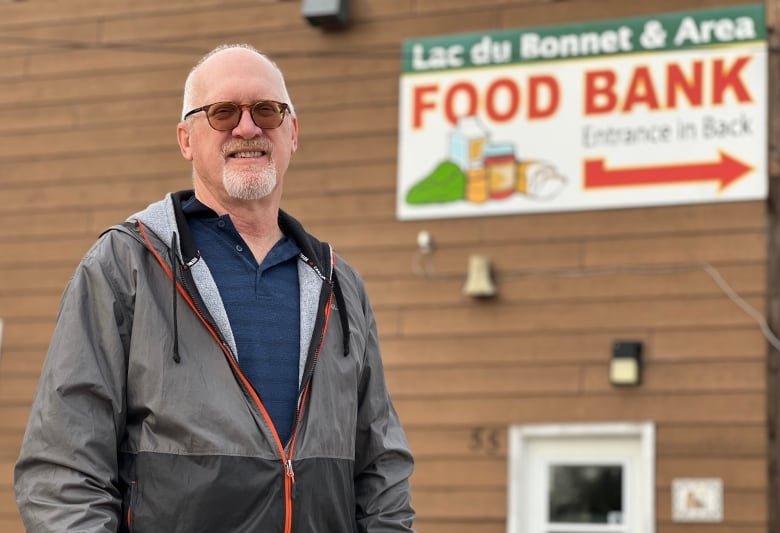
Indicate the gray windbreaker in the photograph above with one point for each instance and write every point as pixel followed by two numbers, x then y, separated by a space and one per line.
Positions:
pixel 143 421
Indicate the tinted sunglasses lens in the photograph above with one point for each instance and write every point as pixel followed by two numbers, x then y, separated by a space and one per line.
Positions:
pixel 224 116
pixel 268 115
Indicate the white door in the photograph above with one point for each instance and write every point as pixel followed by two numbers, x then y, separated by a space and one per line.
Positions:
pixel 582 478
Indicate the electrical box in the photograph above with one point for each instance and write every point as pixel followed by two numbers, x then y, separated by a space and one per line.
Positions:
pixel 326 13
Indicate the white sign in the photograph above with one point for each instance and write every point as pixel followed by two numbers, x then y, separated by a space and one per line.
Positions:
pixel 662 110
pixel 697 500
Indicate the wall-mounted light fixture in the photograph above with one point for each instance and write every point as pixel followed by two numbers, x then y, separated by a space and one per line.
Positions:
pixel 326 13
pixel 625 367
pixel 479 281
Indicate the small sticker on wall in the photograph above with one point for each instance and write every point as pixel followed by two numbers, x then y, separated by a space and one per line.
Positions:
pixel 697 500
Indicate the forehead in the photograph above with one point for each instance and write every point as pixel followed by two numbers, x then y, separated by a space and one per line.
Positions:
pixel 237 74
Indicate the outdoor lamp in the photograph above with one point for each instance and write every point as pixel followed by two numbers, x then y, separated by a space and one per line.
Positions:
pixel 625 368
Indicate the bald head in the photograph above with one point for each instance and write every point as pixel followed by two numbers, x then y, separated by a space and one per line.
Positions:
pixel 195 85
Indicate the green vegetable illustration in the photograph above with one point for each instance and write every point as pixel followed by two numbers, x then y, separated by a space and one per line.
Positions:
pixel 446 183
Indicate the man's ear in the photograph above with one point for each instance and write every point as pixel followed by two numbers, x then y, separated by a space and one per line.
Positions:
pixel 183 136
pixel 294 133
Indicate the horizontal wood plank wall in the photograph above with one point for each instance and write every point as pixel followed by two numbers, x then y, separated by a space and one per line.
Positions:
pixel 89 98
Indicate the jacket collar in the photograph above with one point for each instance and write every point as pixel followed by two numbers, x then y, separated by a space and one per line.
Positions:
pixel 318 253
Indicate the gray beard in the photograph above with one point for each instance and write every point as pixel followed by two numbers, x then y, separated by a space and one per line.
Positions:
pixel 250 184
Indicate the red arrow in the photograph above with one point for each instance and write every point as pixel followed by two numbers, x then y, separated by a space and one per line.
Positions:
pixel 725 170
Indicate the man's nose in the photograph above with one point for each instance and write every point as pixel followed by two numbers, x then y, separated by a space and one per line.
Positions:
pixel 246 126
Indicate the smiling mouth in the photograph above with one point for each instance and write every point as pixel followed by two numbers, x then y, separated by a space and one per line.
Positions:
pixel 248 155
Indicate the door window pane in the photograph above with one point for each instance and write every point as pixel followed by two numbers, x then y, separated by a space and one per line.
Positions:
pixel 585 494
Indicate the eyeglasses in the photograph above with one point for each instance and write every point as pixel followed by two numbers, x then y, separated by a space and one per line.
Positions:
pixel 224 116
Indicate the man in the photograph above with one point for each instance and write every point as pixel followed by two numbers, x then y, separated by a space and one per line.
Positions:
pixel 214 368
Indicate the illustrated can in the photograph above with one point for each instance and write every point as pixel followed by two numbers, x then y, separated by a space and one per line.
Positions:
pixel 476 185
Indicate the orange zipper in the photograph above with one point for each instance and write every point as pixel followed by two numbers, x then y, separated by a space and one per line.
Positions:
pixel 290 473
pixel 130 505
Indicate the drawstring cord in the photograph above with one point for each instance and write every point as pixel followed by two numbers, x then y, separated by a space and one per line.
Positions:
pixel 173 257
pixel 341 304
pixel 173 250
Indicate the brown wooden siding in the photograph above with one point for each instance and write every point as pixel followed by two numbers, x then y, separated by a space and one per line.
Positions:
pixel 89 98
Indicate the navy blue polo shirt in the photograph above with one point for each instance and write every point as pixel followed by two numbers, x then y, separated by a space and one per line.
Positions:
pixel 262 302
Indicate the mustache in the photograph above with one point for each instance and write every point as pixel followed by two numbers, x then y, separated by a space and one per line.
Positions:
pixel 256 145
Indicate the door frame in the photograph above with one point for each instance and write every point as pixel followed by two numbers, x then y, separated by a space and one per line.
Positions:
pixel 520 435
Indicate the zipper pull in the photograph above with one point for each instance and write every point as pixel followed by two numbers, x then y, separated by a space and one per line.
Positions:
pixel 288 469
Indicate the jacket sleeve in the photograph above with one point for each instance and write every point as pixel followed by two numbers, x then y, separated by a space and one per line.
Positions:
pixel 383 460
pixel 66 474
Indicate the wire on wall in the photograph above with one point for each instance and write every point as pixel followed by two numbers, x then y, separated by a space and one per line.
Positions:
pixel 423 265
